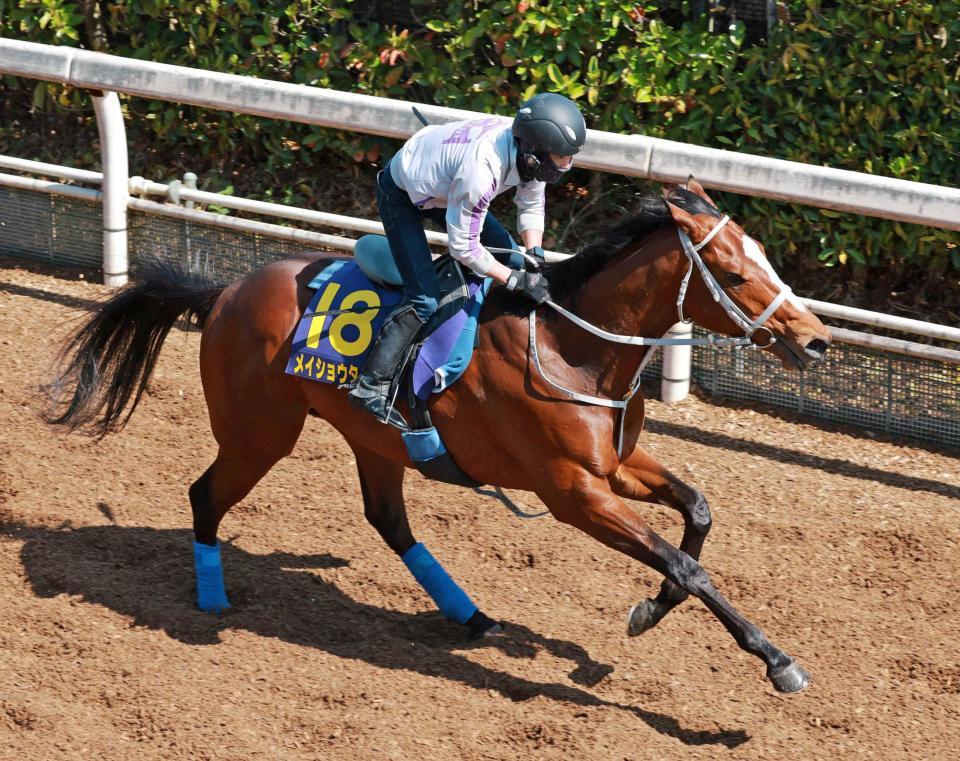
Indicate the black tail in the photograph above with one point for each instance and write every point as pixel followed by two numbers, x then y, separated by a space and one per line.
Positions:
pixel 108 362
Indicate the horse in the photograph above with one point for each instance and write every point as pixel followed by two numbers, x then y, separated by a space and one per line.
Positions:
pixel 528 413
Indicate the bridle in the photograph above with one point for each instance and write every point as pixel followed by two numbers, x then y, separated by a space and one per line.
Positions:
pixel 749 326
pixel 734 312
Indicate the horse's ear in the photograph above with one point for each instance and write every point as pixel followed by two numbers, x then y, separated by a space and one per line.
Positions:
pixel 683 219
pixel 695 187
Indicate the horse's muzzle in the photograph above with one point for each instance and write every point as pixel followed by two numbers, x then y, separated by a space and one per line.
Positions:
pixel 799 356
pixel 814 351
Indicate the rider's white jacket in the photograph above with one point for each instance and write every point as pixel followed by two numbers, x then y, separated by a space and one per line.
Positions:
pixel 462 166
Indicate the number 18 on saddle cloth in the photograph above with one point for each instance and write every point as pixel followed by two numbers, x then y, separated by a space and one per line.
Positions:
pixel 337 329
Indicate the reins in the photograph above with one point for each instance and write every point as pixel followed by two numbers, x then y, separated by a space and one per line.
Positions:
pixel 692 252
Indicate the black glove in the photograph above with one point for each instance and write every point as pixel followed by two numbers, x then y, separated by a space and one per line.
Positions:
pixel 537 253
pixel 533 285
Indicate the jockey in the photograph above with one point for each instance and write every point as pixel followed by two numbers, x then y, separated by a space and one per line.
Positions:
pixel 449 173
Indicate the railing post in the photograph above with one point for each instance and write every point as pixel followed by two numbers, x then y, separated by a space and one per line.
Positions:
pixel 675 373
pixel 115 167
pixel 189 182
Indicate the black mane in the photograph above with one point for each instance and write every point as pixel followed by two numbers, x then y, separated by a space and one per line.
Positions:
pixel 568 276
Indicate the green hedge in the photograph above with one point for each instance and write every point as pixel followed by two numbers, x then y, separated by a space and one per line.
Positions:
pixel 871 85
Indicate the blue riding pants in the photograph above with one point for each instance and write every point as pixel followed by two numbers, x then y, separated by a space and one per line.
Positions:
pixel 403 223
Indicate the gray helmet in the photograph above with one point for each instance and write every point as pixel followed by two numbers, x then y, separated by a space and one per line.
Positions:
pixel 547 123
pixel 551 123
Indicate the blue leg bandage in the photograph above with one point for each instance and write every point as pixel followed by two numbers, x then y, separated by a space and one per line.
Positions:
pixel 452 601
pixel 211 596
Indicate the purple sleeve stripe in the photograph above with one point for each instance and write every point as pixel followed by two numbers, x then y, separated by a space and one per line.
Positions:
pixel 477 214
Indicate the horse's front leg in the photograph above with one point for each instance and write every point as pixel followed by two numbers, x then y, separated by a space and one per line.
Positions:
pixel 589 504
pixel 642 477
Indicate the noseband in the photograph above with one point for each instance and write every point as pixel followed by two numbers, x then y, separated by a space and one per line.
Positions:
pixel 739 317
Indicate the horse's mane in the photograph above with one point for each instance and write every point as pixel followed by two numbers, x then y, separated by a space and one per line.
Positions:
pixel 568 276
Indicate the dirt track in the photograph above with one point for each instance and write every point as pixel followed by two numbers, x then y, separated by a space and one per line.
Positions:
pixel 843 549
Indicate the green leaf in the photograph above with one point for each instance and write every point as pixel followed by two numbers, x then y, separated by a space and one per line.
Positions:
pixel 553 71
pixel 39 95
pixel 471 36
pixel 737 32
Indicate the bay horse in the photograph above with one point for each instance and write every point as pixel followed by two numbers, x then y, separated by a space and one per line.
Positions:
pixel 503 422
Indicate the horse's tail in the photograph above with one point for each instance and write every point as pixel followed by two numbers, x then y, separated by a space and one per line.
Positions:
pixel 106 364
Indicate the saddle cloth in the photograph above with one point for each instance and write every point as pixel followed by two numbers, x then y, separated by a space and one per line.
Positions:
pixel 336 332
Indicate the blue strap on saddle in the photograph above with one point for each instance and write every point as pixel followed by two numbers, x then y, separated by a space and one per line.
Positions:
pixel 211 595
pixel 452 601
pixel 326 273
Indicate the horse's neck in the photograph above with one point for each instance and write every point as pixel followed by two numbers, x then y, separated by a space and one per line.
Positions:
pixel 636 296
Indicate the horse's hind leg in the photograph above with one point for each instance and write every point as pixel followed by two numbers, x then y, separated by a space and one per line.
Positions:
pixel 242 461
pixel 381 482
pixel 642 477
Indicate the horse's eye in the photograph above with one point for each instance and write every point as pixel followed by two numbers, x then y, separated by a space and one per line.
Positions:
pixel 734 279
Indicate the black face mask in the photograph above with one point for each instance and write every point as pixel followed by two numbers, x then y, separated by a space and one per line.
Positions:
pixel 536 165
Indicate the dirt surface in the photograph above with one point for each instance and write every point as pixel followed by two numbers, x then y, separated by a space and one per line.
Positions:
pixel 844 549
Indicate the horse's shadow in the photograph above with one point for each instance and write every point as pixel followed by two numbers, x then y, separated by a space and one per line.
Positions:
pixel 146 574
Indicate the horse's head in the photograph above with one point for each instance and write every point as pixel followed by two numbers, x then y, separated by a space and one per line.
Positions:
pixel 746 297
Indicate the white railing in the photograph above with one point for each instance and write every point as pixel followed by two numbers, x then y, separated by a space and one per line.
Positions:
pixel 177 193
pixel 631 155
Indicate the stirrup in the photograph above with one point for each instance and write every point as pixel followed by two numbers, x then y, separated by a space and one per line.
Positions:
pixel 379 406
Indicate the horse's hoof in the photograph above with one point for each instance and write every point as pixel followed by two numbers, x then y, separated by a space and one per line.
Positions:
pixel 482 626
pixel 217 606
pixel 493 631
pixel 791 678
pixel 642 616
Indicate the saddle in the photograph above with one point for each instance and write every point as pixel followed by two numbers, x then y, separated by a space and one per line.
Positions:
pixel 352 300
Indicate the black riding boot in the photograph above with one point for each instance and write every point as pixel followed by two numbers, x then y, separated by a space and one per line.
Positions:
pixel 372 392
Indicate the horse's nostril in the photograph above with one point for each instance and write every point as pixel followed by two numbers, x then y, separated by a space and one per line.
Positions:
pixel 816 348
